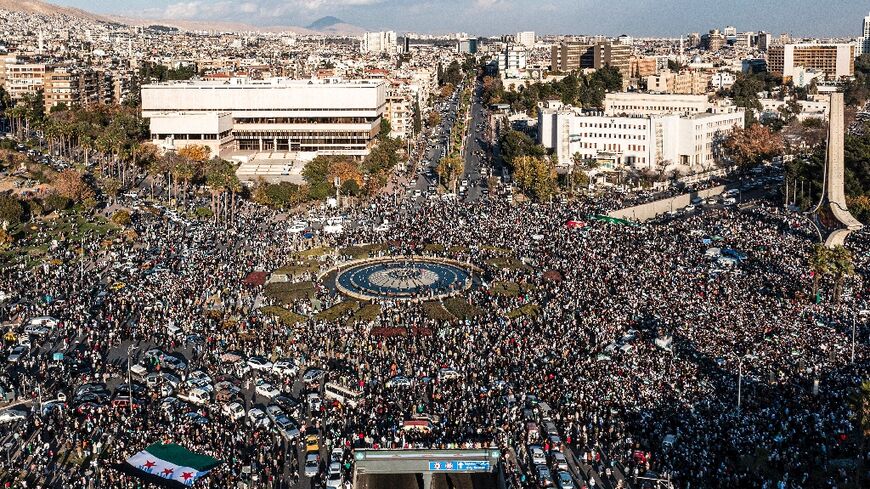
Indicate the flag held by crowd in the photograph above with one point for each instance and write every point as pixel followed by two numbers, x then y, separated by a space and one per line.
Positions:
pixel 172 463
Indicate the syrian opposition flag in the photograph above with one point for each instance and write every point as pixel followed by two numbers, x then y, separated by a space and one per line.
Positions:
pixel 170 465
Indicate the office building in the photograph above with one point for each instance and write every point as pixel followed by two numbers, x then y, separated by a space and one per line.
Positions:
pixel 572 56
pixel 644 104
pixel 836 60
pixel 379 42
pixel 713 40
pixel 615 55
pixel 308 117
pixel 764 41
pixel 865 35
pixel 525 39
pixel 653 142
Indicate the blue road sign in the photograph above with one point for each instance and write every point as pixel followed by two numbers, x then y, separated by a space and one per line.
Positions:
pixel 460 466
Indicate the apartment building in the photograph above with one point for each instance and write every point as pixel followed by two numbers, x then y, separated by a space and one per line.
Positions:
pixel 685 83
pixel 642 67
pixel 836 60
pixel 307 117
pixel 614 55
pixel 525 39
pixel 379 42
pixel 399 111
pixel 572 56
pixel 653 142
pixel 20 79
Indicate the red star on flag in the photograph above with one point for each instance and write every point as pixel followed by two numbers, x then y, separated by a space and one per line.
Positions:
pixel 167 471
pixel 149 464
pixel 186 475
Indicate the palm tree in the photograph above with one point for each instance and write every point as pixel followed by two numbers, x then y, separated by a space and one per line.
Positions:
pixel 842 265
pixel 820 266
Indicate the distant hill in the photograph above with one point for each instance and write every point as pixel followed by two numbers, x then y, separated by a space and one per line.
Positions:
pixel 324 23
pixel 43 8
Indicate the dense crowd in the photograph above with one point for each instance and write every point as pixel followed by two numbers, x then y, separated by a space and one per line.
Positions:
pixel 623 336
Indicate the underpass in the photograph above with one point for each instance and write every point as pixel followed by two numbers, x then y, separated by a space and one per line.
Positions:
pixel 427 469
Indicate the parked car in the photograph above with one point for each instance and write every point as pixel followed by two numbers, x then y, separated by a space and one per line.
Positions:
pixel 312 464
pixel 266 389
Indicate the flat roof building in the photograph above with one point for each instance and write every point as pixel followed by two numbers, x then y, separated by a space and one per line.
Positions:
pixel 306 117
pixel 836 60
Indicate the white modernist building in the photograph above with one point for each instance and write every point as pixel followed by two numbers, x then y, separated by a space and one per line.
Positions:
pixel 649 141
pixel 526 39
pixel 379 42
pixel 304 117
pixel 638 103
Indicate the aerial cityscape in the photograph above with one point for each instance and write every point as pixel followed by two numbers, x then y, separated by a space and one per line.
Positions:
pixel 383 244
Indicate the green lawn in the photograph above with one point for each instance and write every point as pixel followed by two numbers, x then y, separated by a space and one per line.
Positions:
pixel 363 251
pixel 508 263
pixel 315 252
pixel 528 310
pixel 287 292
pixel 461 309
pixel 336 311
pixel 367 313
pixel 300 267
pixel 434 310
pixel 289 318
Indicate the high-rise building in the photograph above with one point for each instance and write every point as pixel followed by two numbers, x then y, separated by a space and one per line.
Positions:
pixel 614 55
pixel 571 56
pixel 525 38
pixel 836 60
pixel 765 39
pixel 379 42
pixel 730 31
pixel 866 34
pixel 713 40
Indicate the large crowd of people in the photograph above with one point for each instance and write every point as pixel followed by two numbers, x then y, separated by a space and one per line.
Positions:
pixel 633 340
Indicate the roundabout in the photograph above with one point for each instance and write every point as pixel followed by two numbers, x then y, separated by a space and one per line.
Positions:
pixel 403 278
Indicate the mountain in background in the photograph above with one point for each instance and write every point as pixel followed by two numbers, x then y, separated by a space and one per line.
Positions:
pixel 43 8
pixel 324 23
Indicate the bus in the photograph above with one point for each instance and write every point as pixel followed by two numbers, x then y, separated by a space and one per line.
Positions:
pixel 343 394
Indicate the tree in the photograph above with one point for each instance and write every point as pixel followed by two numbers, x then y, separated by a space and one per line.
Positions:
pixel 418 118
pixel 535 176
pixel 195 152
pixel 820 266
pixel 385 129
pixel 111 186
pixel 748 147
pixel 345 171
pixel 842 266
pixel 72 185
pixel 6 239
pixel 449 168
pixel 11 210
pixel 121 218
pixel 434 118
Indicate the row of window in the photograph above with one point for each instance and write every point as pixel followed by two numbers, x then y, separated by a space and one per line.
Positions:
pixel 305 120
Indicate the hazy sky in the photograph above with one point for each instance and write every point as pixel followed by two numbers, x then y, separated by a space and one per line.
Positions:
pixel 823 18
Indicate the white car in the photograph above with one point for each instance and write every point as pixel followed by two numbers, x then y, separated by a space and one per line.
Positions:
pixel 234 411
pixel 334 478
pixel 382 227
pixel 258 419
pixel 259 363
pixel 313 375
pixel 730 201
pixel 297 227
pixel 312 464
pixel 285 367
pixel 448 374
pixel 267 390
pixel 12 416
pixel 398 381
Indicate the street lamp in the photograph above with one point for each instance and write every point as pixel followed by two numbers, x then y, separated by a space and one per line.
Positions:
pixel 130 349
pixel 863 313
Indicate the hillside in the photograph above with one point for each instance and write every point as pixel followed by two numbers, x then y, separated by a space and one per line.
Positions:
pixel 43 8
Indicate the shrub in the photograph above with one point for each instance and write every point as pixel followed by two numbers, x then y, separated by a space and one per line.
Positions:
pixel 203 212
pixel 121 218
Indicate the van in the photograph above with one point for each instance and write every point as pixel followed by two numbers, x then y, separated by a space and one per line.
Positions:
pixel 139 370
pixel 532 432
pixel 196 396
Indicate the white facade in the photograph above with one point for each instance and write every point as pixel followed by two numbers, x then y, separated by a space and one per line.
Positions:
pixel 379 42
pixel 512 60
pixel 306 116
pixel 655 142
pixel 175 130
pixel 525 38
pixel 637 103
pixel 722 80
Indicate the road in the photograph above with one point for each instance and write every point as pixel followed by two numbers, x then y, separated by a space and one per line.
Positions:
pixel 476 149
